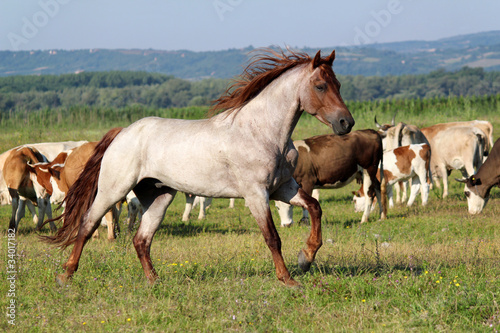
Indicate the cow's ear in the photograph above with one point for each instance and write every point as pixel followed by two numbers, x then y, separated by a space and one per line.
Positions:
pixel 55 173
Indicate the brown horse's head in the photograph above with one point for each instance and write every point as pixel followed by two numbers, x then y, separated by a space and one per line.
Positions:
pixel 320 96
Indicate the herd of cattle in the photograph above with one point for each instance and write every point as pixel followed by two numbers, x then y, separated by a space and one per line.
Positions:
pixel 41 174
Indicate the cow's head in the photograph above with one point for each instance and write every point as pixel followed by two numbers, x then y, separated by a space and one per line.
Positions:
pixel 477 195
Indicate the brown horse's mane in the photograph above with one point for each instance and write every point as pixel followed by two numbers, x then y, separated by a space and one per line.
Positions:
pixel 262 70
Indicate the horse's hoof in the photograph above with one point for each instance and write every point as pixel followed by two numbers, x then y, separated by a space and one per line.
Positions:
pixel 292 283
pixel 304 263
pixel 61 280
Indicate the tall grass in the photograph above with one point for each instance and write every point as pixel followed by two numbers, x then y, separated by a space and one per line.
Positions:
pixel 432 268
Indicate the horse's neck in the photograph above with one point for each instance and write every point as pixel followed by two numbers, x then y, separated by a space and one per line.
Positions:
pixel 276 110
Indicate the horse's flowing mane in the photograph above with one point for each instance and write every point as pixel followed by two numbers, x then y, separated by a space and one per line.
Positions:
pixel 262 70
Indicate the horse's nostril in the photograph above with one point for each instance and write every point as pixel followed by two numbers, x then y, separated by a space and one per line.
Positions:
pixel 344 123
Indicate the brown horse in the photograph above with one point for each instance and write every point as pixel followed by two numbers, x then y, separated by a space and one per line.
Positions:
pixel 245 151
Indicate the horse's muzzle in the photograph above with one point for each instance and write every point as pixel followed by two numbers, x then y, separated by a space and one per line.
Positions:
pixel 343 125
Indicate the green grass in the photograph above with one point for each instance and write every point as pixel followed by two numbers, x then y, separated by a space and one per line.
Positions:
pixel 432 268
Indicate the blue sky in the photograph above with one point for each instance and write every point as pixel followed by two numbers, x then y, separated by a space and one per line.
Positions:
pixel 221 24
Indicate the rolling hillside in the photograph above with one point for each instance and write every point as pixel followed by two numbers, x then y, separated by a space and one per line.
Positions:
pixel 411 57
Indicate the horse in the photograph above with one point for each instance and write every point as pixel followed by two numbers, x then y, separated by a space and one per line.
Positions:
pixel 242 150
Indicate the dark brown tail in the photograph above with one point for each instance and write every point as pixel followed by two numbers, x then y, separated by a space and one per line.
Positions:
pixel 81 195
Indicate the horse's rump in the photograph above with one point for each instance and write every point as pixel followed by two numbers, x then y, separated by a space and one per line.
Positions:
pixel 81 195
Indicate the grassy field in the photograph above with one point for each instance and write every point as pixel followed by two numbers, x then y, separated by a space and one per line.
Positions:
pixel 432 268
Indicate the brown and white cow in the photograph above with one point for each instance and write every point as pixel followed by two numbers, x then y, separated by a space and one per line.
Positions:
pixel 399 135
pixel 331 161
pixel 56 179
pixel 402 163
pixel 478 187
pixel 16 176
pixel 49 150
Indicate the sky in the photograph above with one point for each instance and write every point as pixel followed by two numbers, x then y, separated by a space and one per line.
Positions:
pixel 209 25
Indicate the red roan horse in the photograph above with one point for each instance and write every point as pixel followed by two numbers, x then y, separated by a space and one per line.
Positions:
pixel 245 151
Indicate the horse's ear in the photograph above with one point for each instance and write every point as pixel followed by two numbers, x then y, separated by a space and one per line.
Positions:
pixel 317 60
pixel 331 58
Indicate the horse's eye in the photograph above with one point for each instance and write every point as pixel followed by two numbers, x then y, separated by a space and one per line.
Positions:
pixel 320 87
pixel 467 194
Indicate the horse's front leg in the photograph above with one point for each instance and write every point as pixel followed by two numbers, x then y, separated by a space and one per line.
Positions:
pixel 292 194
pixel 259 206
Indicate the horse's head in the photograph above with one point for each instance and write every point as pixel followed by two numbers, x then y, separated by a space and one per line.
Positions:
pixel 320 96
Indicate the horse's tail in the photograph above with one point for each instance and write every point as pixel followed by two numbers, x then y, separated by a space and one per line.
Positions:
pixel 81 195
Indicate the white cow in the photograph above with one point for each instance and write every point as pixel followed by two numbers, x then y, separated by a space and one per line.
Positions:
pixel 459 148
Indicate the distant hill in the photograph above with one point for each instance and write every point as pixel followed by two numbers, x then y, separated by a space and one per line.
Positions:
pixel 411 57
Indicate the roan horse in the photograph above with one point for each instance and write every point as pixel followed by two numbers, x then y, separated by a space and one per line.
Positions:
pixel 245 151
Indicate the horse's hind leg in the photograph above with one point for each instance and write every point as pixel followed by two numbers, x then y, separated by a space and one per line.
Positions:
pixel 155 202
pixel 91 220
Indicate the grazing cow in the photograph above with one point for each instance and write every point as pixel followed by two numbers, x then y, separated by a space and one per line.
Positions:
pixel 49 150
pixel 331 161
pixel 477 187
pixel 402 163
pixel 56 179
pixel 459 148
pixel 17 180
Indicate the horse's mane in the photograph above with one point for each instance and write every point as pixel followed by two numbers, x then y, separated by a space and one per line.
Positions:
pixel 262 70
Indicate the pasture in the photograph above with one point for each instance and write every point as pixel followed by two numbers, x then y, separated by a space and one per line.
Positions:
pixel 432 268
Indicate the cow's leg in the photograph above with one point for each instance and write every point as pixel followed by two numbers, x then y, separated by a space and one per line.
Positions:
pixel 404 190
pixel 231 203
pixel 204 204
pixel 415 188
pixel 189 206
pixel 390 194
pixel 292 194
pixel 315 195
pixel 48 212
pixel 110 225
pixel 133 212
pixel 367 183
pixel 17 213
pixel 44 208
pixel 398 193
pixel 444 174
pixel 32 210
pixel 285 212
pixel 155 202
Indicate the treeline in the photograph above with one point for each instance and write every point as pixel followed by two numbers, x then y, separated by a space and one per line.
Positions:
pixel 121 89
